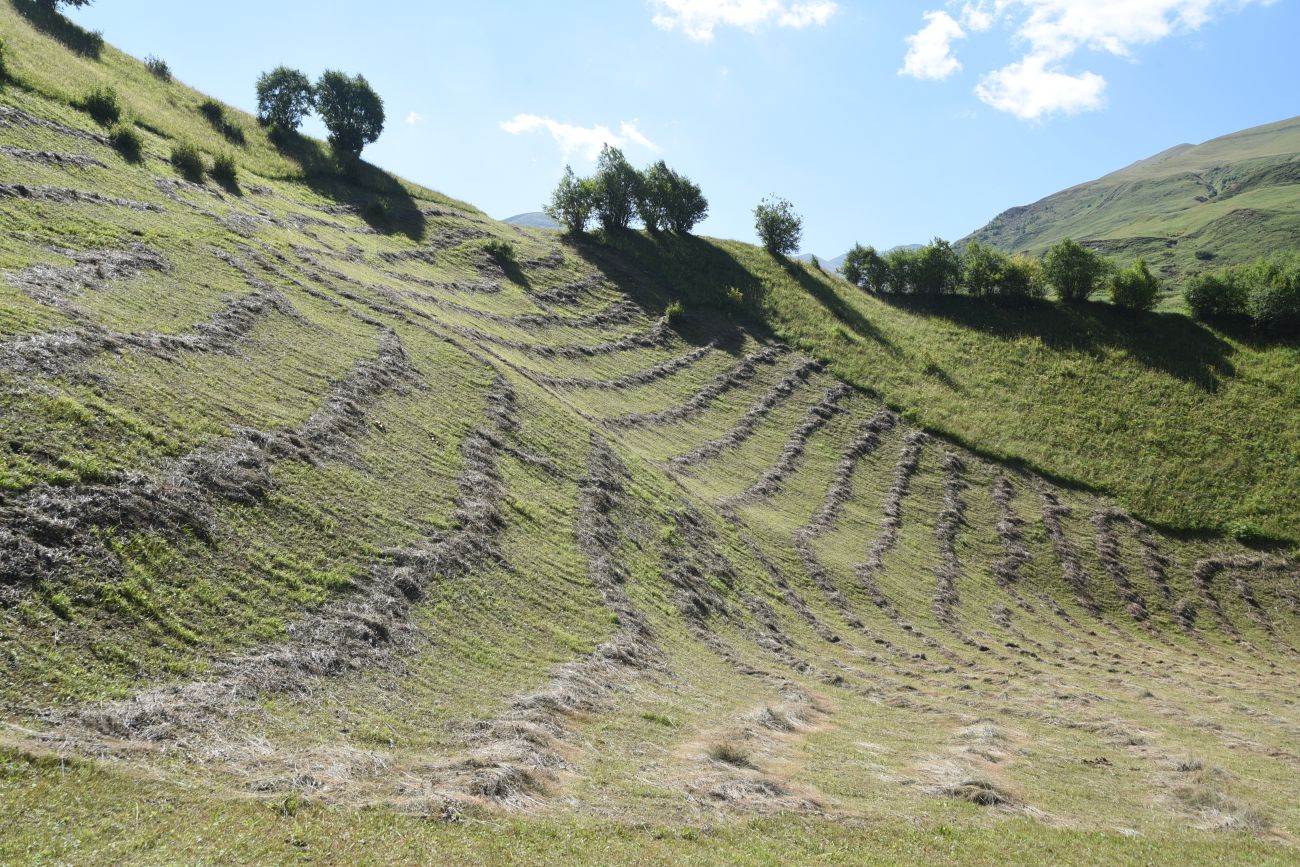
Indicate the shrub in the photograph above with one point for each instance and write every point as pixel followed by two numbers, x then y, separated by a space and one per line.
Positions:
pixel 351 109
pixel 900 269
pixel 187 160
pixel 1273 295
pixel 1216 294
pixel 1075 271
pixel 1205 256
pixel 501 252
pixel 284 97
pixel 1022 277
pixel 127 142
pixel 865 268
pixel 653 196
pixel 102 104
pixel 573 202
pixel 936 269
pixel 674 312
pixel 687 206
pixel 158 67
pixel 225 170
pixel 4 65
pixel 735 296
pixel 617 187
pixel 215 112
pixel 779 227
pixel 982 269
pixel 1135 287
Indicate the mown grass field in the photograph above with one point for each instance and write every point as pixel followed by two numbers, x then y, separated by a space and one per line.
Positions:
pixel 329 538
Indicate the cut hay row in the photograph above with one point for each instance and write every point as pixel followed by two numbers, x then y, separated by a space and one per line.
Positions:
pixel 1207 570
pixel 773 478
pixel 790 595
pixel 632 380
pixel 744 429
pixel 65 196
pixel 737 377
pixel 365 628
pixel 655 336
pixel 10 116
pixel 617 313
pixel 909 459
pixel 51 158
pixel 58 353
pixel 841 488
pixel 92 270
pixel 1054 510
pixel 951 518
pixel 513 754
pixel 49 530
pixel 1104 521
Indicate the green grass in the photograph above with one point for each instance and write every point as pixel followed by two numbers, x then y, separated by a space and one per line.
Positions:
pixel 783 715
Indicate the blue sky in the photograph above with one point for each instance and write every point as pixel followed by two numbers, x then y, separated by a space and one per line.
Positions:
pixel 873 137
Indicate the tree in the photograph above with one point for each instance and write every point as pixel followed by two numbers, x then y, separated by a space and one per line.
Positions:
pixel 573 202
pixel 351 110
pixel 865 268
pixel 779 227
pixel 1022 277
pixel 982 269
pixel 53 5
pixel 618 187
pixel 686 205
pixel 284 96
pixel 654 196
pixel 1074 270
pixel 900 271
pixel 936 269
pixel 1135 287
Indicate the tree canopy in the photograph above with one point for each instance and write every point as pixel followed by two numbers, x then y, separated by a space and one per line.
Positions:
pixel 351 109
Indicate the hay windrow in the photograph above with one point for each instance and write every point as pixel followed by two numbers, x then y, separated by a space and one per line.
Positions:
pixel 951 518
pixel 909 460
pixel 1054 510
pixel 10 116
pixel 1108 552
pixel 65 196
pixel 51 158
pixel 772 480
pixel 632 380
pixel 737 377
pixel 748 423
pixel 92 270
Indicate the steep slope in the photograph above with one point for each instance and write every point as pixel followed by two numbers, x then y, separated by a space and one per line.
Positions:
pixel 316 526
pixel 1193 206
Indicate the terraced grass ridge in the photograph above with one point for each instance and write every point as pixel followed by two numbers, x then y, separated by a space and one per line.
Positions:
pixel 325 538
pixel 1186 209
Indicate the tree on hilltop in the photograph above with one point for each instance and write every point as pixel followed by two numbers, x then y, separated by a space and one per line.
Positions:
pixel 351 109
pixel 284 97
pixel 779 227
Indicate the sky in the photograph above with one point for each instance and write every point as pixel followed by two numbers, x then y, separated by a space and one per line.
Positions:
pixel 884 123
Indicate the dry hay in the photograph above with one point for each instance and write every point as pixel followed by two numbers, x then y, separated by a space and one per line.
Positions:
pixel 644 377
pixel 737 377
pixel 65 196
pixel 50 158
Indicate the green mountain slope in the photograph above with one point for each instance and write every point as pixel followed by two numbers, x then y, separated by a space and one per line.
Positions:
pixel 326 537
pixel 1228 200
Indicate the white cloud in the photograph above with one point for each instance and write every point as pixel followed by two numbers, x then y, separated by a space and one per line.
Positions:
pixel 929 54
pixel 583 141
pixel 698 18
pixel 412 119
pixel 1030 90
pixel 1052 31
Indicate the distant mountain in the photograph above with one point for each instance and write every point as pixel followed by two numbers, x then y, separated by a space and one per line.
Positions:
pixel 532 220
pixel 1184 209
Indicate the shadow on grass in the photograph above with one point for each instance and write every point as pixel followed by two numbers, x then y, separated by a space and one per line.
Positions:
pixel 46 18
pixel 826 295
pixel 375 196
pixel 1169 342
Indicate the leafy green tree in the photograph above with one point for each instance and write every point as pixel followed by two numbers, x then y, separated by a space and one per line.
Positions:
pixel 618 187
pixel 865 268
pixel 937 269
pixel 982 269
pixel 900 271
pixel 654 196
pixel 284 97
pixel 1216 294
pixel 686 205
pixel 1273 293
pixel 1075 271
pixel 1135 287
pixel 351 110
pixel 779 227
pixel 573 202
pixel 53 5
pixel 1022 277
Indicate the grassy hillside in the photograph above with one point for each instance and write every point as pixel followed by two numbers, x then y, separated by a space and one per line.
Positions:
pixel 1189 208
pixel 328 535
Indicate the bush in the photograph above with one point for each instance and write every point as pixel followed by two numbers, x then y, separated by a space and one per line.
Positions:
pixel 900 267
pixel 865 268
pixel 4 65
pixel 187 160
pixel 779 227
pixel 284 97
pixel 1022 277
pixel 501 252
pixel 674 312
pixel 215 112
pixel 936 269
pixel 617 187
pixel 1216 294
pixel 225 170
pixel 1135 287
pixel 1273 296
pixel 1075 271
pixel 158 67
pixel 351 109
pixel 982 269
pixel 101 104
pixel 573 202
pixel 127 142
